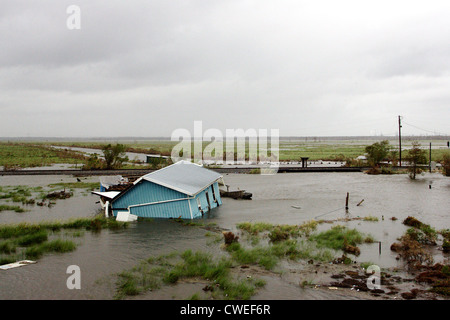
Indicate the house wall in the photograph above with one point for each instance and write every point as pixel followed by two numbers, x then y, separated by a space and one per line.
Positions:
pixel 204 202
pixel 148 192
pixel 145 192
pixel 172 209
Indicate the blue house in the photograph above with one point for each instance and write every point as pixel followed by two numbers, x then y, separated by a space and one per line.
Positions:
pixel 183 189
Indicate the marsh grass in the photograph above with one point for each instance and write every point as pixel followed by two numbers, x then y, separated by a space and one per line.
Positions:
pixel 269 256
pixel 28 195
pixel 171 269
pixel 8 247
pixel 5 207
pixel 75 185
pixel 16 194
pixel 339 237
pixel 278 232
pixel 22 155
pixel 298 243
pixel 58 245
pixel 370 218
pixel 33 240
pixel 421 232
pixel 255 228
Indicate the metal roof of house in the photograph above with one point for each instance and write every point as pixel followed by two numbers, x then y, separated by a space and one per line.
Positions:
pixel 184 176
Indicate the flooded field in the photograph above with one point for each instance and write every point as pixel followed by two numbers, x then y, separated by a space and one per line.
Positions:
pixel 291 198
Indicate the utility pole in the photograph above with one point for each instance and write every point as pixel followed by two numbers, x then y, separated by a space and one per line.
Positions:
pixel 400 141
pixel 430 158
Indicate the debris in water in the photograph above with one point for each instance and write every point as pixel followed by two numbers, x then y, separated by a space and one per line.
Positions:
pixel 59 195
pixel 125 216
pixel 16 264
pixel 237 194
pixel 230 237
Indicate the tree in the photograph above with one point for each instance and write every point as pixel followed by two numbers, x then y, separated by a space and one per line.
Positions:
pixel 114 155
pixel 393 157
pixel 377 152
pixel 415 156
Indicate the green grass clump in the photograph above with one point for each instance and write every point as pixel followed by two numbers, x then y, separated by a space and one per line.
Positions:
pixel 278 232
pixel 421 232
pixel 269 256
pixel 197 264
pixel 75 185
pixel 18 230
pixel 254 228
pixel 58 245
pixel 339 237
pixel 174 268
pixel 8 247
pixel 11 208
pixel 33 239
pixel 370 218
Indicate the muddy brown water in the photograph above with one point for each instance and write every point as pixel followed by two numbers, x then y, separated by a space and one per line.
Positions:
pixel 290 198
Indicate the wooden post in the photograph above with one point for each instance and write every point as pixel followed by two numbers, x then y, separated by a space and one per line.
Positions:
pixel 346 202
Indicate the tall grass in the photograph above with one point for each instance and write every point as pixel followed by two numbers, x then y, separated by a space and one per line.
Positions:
pixel 58 245
pixel 284 229
pixel 269 256
pixel 187 265
pixel 33 239
pixel 5 207
pixel 338 237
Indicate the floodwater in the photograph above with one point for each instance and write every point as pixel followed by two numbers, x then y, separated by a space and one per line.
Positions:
pixel 131 155
pixel 288 198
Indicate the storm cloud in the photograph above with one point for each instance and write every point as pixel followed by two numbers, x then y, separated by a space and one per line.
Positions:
pixel 146 68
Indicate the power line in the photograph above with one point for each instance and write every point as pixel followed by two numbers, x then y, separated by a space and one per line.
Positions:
pixel 429 131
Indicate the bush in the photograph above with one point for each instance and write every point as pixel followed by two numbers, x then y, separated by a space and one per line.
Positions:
pixel 377 152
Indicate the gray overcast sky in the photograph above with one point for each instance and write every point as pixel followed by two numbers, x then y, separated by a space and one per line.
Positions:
pixel 146 68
